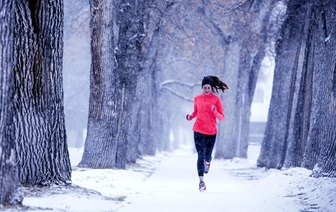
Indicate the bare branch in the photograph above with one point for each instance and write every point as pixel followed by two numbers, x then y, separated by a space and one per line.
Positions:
pixel 167 82
pixel 177 94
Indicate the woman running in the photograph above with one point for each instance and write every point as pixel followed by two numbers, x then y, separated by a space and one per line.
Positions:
pixel 207 108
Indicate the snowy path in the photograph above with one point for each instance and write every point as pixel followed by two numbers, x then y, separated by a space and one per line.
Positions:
pixel 168 182
pixel 174 187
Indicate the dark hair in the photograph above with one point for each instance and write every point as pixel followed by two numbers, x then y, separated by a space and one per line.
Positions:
pixel 216 84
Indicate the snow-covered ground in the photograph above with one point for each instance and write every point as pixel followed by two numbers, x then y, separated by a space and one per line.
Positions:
pixel 169 182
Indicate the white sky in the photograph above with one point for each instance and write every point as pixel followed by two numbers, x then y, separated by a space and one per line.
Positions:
pixel 232 185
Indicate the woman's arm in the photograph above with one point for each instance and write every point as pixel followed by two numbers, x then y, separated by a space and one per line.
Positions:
pixel 194 113
pixel 219 110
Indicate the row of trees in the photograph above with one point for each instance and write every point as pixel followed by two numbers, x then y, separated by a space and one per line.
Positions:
pixel 301 126
pixel 138 47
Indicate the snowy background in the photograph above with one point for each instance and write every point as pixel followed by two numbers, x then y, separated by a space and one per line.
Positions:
pixel 169 182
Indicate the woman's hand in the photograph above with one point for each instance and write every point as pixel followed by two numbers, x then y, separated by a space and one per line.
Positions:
pixel 188 117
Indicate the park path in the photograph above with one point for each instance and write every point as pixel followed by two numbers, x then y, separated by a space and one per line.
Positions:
pixel 173 187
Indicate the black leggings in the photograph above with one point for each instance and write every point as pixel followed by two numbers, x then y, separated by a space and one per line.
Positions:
pixel 204 145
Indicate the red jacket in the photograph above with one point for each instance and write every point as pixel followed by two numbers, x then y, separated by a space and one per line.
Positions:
pixel 206 117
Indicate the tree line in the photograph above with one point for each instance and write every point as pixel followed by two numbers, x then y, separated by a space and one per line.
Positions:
pixel 139 46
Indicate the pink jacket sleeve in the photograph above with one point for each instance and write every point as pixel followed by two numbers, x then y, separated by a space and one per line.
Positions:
pixel 219 112
pixel 194 114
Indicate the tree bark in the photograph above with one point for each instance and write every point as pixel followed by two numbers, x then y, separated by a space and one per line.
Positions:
pixel 324 91
pixel 41 146
pixel 10 188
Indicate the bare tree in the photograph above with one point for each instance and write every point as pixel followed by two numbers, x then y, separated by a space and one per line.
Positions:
pixel 302 119
pixel 40 136
pixel 10 188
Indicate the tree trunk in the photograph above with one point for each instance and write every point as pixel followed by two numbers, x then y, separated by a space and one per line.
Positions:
pixel 301 92
pixel 10 188
pixel 117 34
pixel 324 91
pixel 41 146
pixel 226 144
pixel 106 96
pixel 144 123
pixel 131 22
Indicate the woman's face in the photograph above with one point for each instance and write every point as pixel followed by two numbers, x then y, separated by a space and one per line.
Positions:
pixel 206 89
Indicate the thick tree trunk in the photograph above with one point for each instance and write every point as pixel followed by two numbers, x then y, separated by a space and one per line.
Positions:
pixel 301 90
pixel 324 91
pixel 106 96
pixel 131 24
pixel 10 188
pixel 143 121
pixel 41 146
pixel 150 110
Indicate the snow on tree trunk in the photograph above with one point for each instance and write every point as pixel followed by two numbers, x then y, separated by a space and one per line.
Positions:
pixel 10 188
pixel 41 146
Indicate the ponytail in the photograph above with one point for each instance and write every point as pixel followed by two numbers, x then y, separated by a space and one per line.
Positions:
pixel 217 84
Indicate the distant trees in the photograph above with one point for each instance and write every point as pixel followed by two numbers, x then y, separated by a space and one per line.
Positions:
pixel 198 38
pixel 186 50
pixel 39 128
pixel 179 41
pixel 10 188
pixel 301 128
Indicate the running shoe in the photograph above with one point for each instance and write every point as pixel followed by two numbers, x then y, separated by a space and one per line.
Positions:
pixel 202 186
